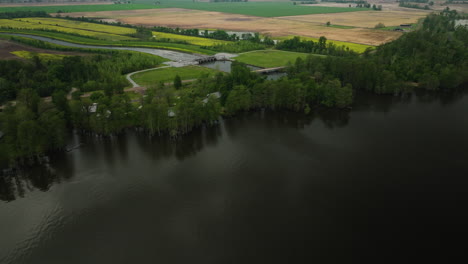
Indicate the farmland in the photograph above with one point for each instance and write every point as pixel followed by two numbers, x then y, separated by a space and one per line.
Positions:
pixel 168 74
pixel 275 27
pixel 189 39
pixel 35 23
pixel 98 31
pixel 78 8
pixel 261 9
pixel 269 58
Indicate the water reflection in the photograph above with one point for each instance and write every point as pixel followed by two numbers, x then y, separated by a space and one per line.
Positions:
pixel 16 184
pixel 120 150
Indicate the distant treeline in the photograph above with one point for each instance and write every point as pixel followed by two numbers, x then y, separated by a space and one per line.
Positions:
pixel 319 47
pixel 414 1
pixel 227 1
pixel 51 1
pixel 305 1
pixel 457 2
pixel 21 14
pixel 346 1
pixel 416 6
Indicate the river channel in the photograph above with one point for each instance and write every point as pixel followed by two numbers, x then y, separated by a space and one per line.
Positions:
pixel 263 187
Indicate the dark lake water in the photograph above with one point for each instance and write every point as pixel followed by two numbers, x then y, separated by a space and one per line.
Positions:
pixel 387 176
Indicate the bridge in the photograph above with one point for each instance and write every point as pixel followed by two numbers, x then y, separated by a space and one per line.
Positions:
pixel 270 70
pixel 206 59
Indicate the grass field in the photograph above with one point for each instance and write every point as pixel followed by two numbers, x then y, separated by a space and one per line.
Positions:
pixel 168 74
pixel 43 56
pixel 270 58
pixel 352 46
pixel 262 9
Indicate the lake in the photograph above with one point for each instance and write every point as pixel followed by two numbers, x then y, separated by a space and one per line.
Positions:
pixel 263 187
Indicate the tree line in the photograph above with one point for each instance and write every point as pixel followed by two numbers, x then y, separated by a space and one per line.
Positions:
pixel 21 14
pixel 317 47
pixel 88 73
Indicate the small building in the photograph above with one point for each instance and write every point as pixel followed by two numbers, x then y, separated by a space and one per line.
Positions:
pixel 405 25
pixel 171 113
pixel 92 108
pixel 216 95
pixel 461 22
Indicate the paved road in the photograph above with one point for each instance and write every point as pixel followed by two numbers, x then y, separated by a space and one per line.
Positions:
pixel 134 84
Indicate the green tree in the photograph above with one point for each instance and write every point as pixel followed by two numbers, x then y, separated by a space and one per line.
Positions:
pixel 177 82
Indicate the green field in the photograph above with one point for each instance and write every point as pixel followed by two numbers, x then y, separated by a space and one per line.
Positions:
pixel 168 74
pixel 79 8
pixel 341 26
pixel 262 9
pixel 270 58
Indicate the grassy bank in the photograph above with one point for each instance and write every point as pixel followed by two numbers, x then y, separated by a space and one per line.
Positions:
pixel 270 58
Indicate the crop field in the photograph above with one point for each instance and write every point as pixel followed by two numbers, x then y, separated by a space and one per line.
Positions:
pixel 81 25
pixel 168 74
pixel 270 58
pixel 189 39
pixel 43 56
pixel 27 23
pixel 275 27
pixel 360 48
pixel 366 19
pixel 262 9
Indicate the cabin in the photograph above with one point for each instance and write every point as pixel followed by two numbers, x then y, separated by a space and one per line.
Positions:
pixel 171 113
pixel 92 108
pixel 216 95
pixel 461 22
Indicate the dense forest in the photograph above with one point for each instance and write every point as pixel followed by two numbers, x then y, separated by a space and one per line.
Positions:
pixel 434 57
pixel 88 73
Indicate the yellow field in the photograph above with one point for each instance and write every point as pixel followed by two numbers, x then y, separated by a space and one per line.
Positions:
pixel 81 25
pixel 352 46
pixel 44 56
pixel 30 23
pixel 189 39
